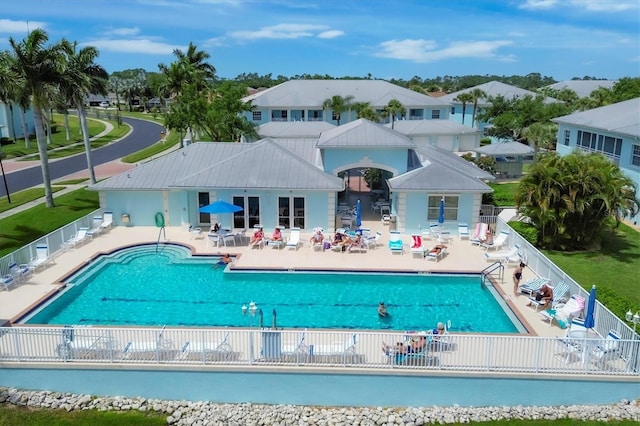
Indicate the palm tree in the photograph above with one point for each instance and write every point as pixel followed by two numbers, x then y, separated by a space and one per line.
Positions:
pixel 476 95
pixel 39 66
pixel 395 108
pixel 81 77
pixel 338 104
pixel 541 135
pixel 366 111
pixel 464 99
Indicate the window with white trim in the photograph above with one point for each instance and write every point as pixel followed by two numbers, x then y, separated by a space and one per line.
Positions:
pixel 450 208
pixel 435 114
pixel 635 155
pixel 257 115
pixel 567 137
pixel 291 212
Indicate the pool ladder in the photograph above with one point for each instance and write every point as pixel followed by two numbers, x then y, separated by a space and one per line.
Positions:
pixel 489 270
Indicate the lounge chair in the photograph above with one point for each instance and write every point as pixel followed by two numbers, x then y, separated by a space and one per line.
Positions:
pixel 96 227
pixel 87 346
pixel 513 254
pixel 79 238
pixel 498 242
pixel 7 281
pixel 559 292
pixel 294 239
pixel 297 350
pixel 395 242
pixel 417 248
pixel 372 241
pixel 41 258
pixel 160 349
pixel 436 255
pixel 407 354
pixel 563 313
pixel 533 284
pixel 19 272
pixel 358 246
pixel 607 350
pixel 258 243
pixel 107 220
pixel 480 234
pixel 463 231
pixel 217 350
pixel 338 352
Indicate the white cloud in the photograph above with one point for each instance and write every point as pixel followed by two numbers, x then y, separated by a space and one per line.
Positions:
pixel 426 50
pixel 122 32
pixel 281 31
pixel 331 34
pixel 214 42
pixel 20 27
pixel 539 4
pixel 143 46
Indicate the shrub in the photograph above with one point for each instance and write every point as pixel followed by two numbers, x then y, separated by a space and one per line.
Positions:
pixel 485 141
pixel 5 141
pixel 527 230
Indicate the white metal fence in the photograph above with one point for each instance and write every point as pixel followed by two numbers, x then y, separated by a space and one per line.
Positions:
pixel 198 346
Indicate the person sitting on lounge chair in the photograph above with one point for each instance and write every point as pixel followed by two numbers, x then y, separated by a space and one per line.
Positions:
pixel 437 249
pixel 277 235
pixel 338 239
pixel 544 294
pixel 317 237
pixel 258 236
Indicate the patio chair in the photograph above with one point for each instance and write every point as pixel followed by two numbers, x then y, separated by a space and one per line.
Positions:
pixel 205 350
pixel 395 242
pixel 498 241
pixel 19 272
pixel 107 220
pixel 79 238
pixel 563 313
pixel 607 350
pixel 41 258
pixel 7 281
pixel 417 247
pixel 463 231
pixel 572 345
pixel 294 239
pixel 559 292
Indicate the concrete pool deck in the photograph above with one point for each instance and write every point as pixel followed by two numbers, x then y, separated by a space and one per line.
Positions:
pixel 462 257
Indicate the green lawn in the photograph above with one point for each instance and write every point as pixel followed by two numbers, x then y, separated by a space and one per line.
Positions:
pixel 11 415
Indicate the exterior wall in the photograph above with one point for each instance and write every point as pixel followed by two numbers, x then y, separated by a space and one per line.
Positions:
pixel 411 208
pixel 456 116
pixel 141 206
pixel 336 160
pixel 468 142
pixel 16 123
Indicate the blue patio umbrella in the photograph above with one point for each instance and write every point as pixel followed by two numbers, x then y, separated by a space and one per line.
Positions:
pixel 441 212
pixel 589 319
pixel 358 214
pixel 220 207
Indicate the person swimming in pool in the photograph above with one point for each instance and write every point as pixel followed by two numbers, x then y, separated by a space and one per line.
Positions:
pixel 224 260
pixel 382 310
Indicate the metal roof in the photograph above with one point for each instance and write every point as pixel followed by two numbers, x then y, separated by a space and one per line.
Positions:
pixel 622 118
pixel 583 88
pixel 434 176
pixel 208 165
pixel 363 133
pixel 431 127
pixel 505 148
pixel 293 129
pixel 313 93
pixel 496 88
pixel 433 154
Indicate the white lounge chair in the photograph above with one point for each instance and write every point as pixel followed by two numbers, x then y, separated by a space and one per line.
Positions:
pixel 513 254
pixel 294 239
pixel 337 352
pixel 7 281
pixel 436 255
pixel 559 292
pixel 297 350
pixel 160 349
pixel 96 227
pixel 203 350
pixel 87 346
pixel 107 220
pixel 463 231
pixel 563 313
pixel 41 258
pixel 480 234
pixel 79 238
pixel 19 272
pixel 498 242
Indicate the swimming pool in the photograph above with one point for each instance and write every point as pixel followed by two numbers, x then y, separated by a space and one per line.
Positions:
pixel 145 285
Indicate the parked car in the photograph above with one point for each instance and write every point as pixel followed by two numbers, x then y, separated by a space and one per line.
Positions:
pixel 104 104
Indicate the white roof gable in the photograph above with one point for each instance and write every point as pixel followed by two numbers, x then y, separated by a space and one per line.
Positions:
pixel 365 134
pixel 496 88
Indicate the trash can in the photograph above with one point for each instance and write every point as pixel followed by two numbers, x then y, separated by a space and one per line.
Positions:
pixel 271 345
pixel 393 219
pixel 124 218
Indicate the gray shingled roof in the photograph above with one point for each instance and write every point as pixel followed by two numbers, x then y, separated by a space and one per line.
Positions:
pixel 363 133
pixel 622 118
pixel 583 88
pixel 293 129
pixel 505 148
pixel 313 93
pixel 433 154
pixel 435 176
pixel 496 88
pixel 210 165
pixel 431 127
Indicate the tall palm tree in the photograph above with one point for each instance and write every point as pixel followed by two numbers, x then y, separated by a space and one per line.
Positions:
pixel 40 65
pixel 81 77
pixel 338 104
pixel 476 95
pixel 464 99
pixel 366 111
pixel 395 109
pixel 541 135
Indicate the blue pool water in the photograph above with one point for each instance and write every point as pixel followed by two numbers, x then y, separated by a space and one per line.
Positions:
pixel 142 286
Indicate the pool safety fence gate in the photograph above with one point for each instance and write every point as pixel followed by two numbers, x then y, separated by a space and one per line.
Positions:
pixel 580 354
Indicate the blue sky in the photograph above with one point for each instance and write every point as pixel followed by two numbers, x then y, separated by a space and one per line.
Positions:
pixel 387 39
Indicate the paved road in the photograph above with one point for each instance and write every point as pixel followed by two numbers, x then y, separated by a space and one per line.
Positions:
pixel 144 134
